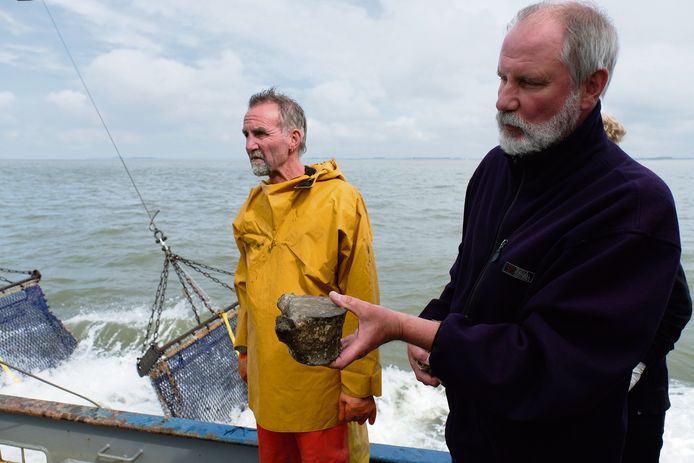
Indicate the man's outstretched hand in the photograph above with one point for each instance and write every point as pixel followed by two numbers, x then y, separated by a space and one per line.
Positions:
pixel 377 325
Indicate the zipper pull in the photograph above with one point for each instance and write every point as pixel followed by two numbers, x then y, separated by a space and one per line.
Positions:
pixel 497 253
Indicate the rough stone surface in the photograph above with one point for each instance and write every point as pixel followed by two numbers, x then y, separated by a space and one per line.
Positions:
pixel 311 326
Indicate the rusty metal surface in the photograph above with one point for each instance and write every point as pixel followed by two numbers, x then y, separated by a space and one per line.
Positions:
pixel 179 427
pixel 63 433
pixel 66 432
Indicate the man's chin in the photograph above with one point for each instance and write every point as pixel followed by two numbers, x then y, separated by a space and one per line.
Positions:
pixel 259 169
pixel 513 145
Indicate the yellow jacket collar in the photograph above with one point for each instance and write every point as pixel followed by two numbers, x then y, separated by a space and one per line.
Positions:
pixel 324 171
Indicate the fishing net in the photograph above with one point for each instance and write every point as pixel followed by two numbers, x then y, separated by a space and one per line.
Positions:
pixel 197 375
pixel 31 337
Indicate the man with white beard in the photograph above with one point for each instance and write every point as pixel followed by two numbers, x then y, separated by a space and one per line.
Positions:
pixel 568 257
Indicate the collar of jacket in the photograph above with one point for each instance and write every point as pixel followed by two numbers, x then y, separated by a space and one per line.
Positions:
pixel 318 172
pixel 558 161
pixel 312 174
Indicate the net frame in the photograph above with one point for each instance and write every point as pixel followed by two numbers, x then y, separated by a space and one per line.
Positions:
pixel 32 337
pixel 196 375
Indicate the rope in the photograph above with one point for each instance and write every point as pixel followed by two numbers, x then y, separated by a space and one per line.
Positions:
pixel 170 258
pixel 5 364
pixel 96 108
pixel 7 370
pixel 225 317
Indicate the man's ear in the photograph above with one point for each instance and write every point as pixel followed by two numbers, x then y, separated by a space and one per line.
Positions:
pixel 294 139
pixel 593 88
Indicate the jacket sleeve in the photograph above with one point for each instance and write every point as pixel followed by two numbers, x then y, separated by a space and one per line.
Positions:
pixel 577 338
pixel 677 313
pixel 357 277
pixel 240 277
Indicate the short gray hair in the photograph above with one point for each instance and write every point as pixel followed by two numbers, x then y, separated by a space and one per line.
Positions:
pixel 590 38
pixel 291 114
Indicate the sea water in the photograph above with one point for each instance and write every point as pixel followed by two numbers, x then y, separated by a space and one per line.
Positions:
pixel 81 224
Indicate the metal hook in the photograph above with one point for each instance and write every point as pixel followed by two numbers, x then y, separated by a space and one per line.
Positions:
pixel 153 227
pixel 159 236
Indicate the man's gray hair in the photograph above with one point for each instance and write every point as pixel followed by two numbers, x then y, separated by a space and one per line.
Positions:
pixel 590 38
pixel 291 114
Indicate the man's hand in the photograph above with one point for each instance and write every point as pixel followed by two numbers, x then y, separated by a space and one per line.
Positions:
pixel 377 325
pixel 419 360
pixel 243 367
pixel 356 409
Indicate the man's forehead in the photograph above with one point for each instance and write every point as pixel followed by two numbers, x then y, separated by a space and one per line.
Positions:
pixel 266 113
pixel 532 40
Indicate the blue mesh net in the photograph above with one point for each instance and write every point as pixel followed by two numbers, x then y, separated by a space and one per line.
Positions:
pixel 198 378
pixel 31 337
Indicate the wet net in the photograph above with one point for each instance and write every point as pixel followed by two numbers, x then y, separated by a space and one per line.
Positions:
pixel 31 337
pixel 197 375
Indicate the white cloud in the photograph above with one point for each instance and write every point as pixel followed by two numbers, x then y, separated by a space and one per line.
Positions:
pixel 34 58
pixel 12 24
pixel 375 78
pixel 199 99
pixel 6 57
pixel 69 101
pixel 120 27
pixel 138 76
pixel 344 101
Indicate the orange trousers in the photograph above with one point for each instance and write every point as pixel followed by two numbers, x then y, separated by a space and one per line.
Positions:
pixel 325 446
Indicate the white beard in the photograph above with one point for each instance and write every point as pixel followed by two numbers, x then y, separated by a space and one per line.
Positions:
pixel 538 137
pixel 258 164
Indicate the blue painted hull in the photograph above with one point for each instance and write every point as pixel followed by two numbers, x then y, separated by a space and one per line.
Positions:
pixel 89 434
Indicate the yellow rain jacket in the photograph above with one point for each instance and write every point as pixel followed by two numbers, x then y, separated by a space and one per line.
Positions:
pixel 308 235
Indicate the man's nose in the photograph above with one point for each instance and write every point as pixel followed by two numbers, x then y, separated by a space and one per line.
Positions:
pixel 507 99
pixel 251 144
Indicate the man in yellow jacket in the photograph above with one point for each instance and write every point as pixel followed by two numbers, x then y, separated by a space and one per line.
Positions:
pixel 305 230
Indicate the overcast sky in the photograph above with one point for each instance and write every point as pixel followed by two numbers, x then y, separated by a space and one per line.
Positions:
pixel 383 78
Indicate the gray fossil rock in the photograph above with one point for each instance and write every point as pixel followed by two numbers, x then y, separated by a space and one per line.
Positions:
pixel 311 326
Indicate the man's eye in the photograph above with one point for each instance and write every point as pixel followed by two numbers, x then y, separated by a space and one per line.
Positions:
pixel 532 83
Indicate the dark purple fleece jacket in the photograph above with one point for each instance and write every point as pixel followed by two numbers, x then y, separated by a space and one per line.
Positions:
pixel 567 260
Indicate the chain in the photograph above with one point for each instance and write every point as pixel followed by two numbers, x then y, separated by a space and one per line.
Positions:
pixel 187 283
pixel 7 270
pixel 198 268
pixel 184 278
pixel 158 305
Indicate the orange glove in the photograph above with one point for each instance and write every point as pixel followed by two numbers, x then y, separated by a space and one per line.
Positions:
pixel 243 367
pixel 357 409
